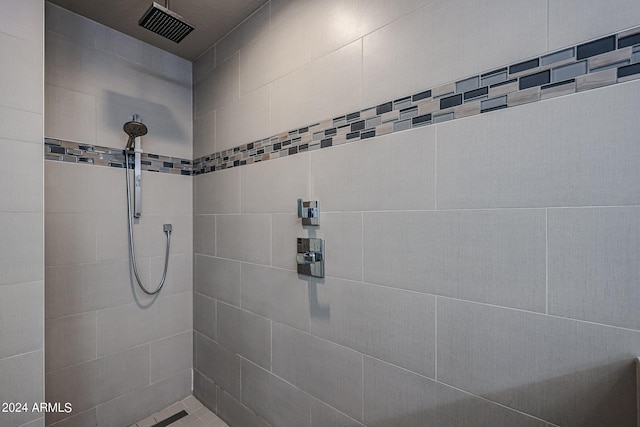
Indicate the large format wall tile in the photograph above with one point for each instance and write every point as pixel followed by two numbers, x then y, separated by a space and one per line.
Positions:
pixel 21 75
pixel 235 413
pixel 313 92
pixel 593 269
pixel 390 324
pixel 70 340
pixel 243 120
pixel 324 415
pixel 397 398
pixel 170 356
pixel 89 384
pixel 217 278
pixel 140 403
pixel 24 20
pixel 217 88
pixel 375 183
pixel 218 364
pixel 323 369
pixel 244 238
pixel 275 186
pixel 567 372
pixel 19 125
pixel 594 18
pixel 217 193
pixel 398 56
pixel 273 399
pixel 21 248
pixel 244 333
pixel 342 233
pixel 167 316
pixel 496 257
pixel 204 316
pixel 23 191
pixel 277 52
pixel 74 289
pixel 21 318
pixel 242 35
pixel 277 294
pixel 336 23
pixel 558 152
pixel 22 382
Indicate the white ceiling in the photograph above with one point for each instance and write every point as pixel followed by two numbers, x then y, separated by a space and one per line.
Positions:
pixel 212 19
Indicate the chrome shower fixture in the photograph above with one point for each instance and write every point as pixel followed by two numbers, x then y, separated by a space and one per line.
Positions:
pixel 166 23
pixel 134 129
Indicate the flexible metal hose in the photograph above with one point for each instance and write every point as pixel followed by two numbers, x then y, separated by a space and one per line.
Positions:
pixel 132 252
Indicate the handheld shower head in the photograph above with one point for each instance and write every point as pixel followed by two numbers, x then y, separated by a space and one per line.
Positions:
pixel 134 129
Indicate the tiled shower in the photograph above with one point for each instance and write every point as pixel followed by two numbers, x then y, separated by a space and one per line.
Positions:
pixel 476 168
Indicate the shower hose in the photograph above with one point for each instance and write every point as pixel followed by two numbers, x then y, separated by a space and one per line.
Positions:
pixel 132 252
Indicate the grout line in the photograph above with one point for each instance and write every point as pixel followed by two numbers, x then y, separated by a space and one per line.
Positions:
pixel 362 385
pixel 435 167
pixel 362 247
pixel 436 338
pixel 458 389
pixel 546 260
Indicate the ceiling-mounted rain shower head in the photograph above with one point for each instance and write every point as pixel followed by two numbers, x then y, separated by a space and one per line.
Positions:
pixel 168 24
pixel 134 129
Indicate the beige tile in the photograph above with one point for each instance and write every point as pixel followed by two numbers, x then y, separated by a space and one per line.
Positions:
pixel 24 194
pixel 21 248
pixel 66 106
pixel 70 340
pixel 216 88
pixel 19 125
pixel 523 96
pixel 503 89
pixel 552 92
pixel 277 52
pixel 334 23
pixel 169 315
pixel 509 160
pixel 274 186
pixel 244 237
pixel 169 356
pixel 598 79
pixel 327 87
pixel 21 317
pixel 204 135
pixel 595 18
pixel 252 28
pixel 610 57
pixel 22 76
pixel 341 187
pixel 466 110
pixel 391 67
pixel 217 193
pixel 244 120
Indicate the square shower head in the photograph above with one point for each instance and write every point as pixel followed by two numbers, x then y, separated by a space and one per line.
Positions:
pixel 166 23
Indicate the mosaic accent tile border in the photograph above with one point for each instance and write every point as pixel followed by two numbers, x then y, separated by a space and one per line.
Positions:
pixel 602 62
pixel 606 61
pixel 73 152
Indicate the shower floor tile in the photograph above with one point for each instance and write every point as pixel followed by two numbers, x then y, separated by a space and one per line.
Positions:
pixel 197 416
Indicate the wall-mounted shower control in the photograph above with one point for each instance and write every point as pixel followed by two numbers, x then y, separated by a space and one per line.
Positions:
pixel 309 212
pixel 310 257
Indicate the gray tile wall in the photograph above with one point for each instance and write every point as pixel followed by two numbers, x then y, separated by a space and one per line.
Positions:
pixel 480 271
pixel 114 353
pixel 21 211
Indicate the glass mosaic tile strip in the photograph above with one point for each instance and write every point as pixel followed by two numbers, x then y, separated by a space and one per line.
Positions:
pixel 606 61
pixel 73 152
pixel 557 73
